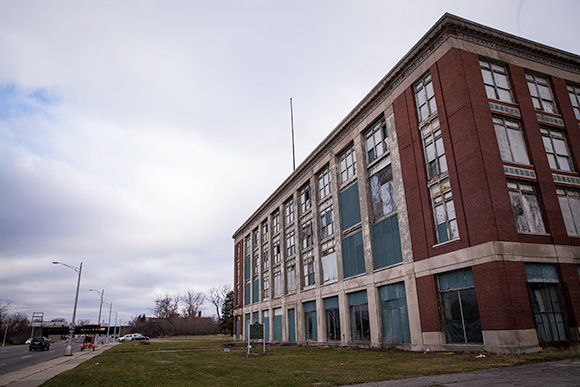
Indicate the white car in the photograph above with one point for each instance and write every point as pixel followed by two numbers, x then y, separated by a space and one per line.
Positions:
pixel 130 336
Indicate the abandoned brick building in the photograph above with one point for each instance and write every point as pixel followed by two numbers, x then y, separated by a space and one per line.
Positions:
pixel 442 213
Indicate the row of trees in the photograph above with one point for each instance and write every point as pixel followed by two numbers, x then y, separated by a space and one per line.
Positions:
pixel 172 315
pixel 180 314
pixel 14 327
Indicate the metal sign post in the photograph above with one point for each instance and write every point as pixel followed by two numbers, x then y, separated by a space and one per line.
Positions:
pixel 256 333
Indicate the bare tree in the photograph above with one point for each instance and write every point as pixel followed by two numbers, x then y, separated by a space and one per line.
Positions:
pixel 217 297
pixel 4 312
pixel 166 306
pixel 192 301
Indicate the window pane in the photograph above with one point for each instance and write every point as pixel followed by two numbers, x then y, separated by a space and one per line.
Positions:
pixel 501 81
pixel 518 147
pixel 504 95
pixel 471 316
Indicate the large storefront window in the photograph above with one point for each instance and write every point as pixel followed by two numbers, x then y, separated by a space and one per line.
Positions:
pixel 459 307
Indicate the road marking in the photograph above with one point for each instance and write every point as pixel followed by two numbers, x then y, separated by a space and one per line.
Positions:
pixel 24 357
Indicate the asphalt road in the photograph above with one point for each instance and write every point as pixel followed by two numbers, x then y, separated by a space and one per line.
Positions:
pixel 15 357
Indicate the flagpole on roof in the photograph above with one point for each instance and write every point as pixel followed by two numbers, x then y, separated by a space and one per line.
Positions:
pixel 292 123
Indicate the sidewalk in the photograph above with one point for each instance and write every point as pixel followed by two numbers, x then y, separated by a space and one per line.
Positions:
pixel 37 374
pixel 564 373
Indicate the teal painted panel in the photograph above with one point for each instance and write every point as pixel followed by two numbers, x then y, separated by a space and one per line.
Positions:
pixel 278 328
pixel 266 322
pixel 456 279
pixel 386 242
pixel 350 206
pixel 291 326
pixel 353 257
pixel 247 325
pixel 394 313
pixel 255 317
pixel 331 302
pixel 309 306
pixel 256 291
pixel 578 267
pixel 542 272
pixel 357 298
pixel 442 232
pixel 247 294
pixel 237 329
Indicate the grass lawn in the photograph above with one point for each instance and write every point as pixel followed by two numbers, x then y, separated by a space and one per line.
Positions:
pixel 202 361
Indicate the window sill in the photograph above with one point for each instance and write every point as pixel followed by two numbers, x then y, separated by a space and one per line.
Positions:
pixel 330 282
pixel 534 233
pixel 388 267
pixel 449 242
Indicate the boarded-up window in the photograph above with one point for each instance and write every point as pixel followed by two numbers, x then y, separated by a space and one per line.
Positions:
pixel 383 192
pixel 329 267
pixel 387 242
pixel 247 293
pixel 526 209
pixel 394 314
pixel 353 259
pixel 349 206
pixel 277 281
pixel 256 290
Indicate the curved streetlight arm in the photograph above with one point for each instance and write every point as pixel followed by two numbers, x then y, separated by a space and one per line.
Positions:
pixel 79 270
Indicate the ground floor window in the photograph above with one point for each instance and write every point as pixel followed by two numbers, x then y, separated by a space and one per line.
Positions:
pixel 359 316
pixel 547 302
pixel 394 313
pixel 332 319
pixel 459 306
pixel 310 321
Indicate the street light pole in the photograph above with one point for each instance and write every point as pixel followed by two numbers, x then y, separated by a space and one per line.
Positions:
pixel 101 294
pixel 68 351
pixel 109 324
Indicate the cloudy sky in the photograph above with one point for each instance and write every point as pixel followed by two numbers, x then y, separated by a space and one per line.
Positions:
pixel 137 136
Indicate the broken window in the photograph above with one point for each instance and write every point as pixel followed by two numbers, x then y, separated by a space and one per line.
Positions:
pixel 275 222
pixel 277 281
pixel 324 186
pixel 495 78
pixel 326 219
pixel 459 307
pixel 383 192
pixel 570 206
pixel 510 140
pixel 256 238
pixel 527 213
pixel 556 149
pixel 308 268
pixel 291 276
pixel 541 92
pixel 266 286
pixel 266 256
pixel 433 149
pixel 347 165
pixel 328 260
pixel 306 234
pixel 276 249
pixel 359 316
pixel 444 211
pixel 376 141
pixel 256 262
pixel 574 93
pixel 289 212
pixel 425 98
pixel 290 243
pixel 305 202
pixel 265 231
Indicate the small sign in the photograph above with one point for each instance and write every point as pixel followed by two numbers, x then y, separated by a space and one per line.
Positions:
pixel 256 331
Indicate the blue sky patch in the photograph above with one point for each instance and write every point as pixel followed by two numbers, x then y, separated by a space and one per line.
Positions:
pixel 17 102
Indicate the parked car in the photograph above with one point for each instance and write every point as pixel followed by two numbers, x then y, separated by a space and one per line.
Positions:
pixel 28 341
pixel 133 336
pixel 140 337
pixel 41 343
